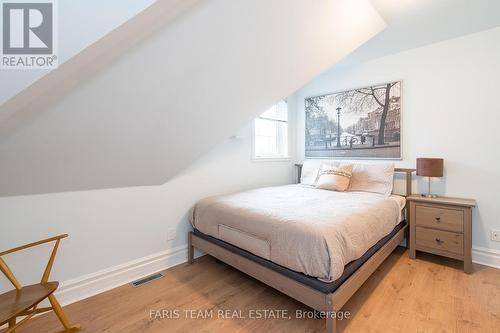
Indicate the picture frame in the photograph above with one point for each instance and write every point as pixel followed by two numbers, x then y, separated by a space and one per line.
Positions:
pixel 357 115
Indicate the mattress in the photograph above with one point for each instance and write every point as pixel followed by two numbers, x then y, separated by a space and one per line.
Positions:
pixel 307 230
pixel 325 287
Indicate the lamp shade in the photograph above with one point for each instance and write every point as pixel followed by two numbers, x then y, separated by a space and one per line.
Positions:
pixel 430 167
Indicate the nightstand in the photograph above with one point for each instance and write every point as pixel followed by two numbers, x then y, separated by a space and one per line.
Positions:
pixel 442 226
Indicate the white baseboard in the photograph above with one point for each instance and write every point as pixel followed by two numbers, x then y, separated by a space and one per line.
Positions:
pixel 484 256
pixel 92 284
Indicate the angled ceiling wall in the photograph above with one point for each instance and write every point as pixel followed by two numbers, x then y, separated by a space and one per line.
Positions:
pixel 413 24
pixel 158 106
pixel 80 23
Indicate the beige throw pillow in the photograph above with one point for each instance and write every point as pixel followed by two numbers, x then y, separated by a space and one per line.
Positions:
pixel 334 177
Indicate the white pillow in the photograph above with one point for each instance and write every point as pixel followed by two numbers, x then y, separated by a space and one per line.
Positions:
pixel 310 170
pixel 377 178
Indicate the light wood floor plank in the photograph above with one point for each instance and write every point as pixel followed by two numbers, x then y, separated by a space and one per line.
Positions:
pixel 430 294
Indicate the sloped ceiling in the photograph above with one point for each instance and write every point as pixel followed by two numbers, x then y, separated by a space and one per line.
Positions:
pixel 415 23
pixel 89 20
pixel 150 112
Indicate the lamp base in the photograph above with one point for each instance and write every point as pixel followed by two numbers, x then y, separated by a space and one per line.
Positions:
pixel 429 195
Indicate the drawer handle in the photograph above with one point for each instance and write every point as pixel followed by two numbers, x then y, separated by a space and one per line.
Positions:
pixel 438 219
pixel 438 240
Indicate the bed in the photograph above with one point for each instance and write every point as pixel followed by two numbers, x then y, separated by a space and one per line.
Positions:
pixel 257 232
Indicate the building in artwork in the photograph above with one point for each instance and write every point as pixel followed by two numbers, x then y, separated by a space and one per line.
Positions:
pixel 393 120
pixel 370 125
pixel 320 131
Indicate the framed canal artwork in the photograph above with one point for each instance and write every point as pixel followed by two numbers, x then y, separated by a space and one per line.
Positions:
pixel 358 123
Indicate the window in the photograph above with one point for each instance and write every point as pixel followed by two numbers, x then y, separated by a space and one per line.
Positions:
pixel 271 133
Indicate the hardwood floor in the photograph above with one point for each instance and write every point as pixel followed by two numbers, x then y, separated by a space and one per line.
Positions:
pixel 430 294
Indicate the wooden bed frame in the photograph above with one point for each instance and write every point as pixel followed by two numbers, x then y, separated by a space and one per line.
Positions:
pixel 329 303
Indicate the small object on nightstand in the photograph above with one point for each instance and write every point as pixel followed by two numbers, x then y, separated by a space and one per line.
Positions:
pixel 442 226
pixel 430 167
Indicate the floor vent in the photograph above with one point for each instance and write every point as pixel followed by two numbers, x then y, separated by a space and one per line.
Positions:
pixel 147 279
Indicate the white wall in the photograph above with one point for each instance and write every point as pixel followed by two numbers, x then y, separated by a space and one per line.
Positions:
pixel 81 23
pixel 154 112
pixel 111 227
pixel 450 110
pixel 171 97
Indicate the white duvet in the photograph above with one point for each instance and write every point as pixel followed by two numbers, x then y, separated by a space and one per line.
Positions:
pixel 312 231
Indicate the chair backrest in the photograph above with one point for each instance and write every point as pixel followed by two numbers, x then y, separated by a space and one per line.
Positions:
pixel 45 277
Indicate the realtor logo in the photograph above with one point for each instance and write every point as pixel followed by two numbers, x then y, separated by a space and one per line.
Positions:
pixel 28 34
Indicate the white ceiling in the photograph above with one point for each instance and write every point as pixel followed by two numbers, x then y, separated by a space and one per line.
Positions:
pixel 74 35
pixel 172 97
pixel 415 23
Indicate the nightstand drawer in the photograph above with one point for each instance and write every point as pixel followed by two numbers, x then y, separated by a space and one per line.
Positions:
pixel 440 240
pixel 440 218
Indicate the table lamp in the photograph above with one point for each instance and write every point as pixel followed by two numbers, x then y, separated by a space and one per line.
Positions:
pixel 430 167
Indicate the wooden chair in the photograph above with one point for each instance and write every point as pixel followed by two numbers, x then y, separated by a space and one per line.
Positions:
pixel 24 301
